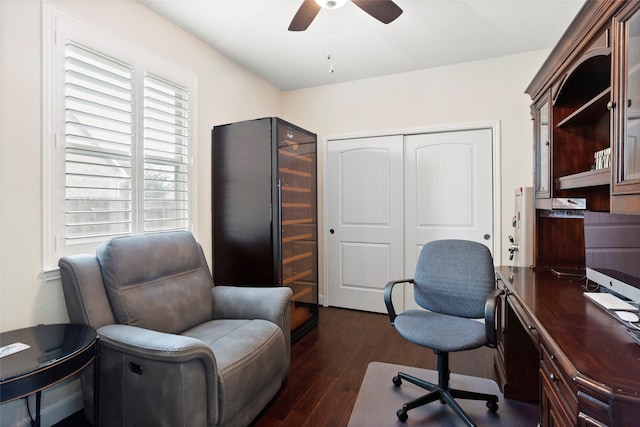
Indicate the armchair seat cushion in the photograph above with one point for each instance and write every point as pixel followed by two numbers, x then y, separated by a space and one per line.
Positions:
pixel 249 359
pixel 440 332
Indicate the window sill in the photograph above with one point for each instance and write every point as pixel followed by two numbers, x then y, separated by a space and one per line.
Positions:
pixel 50 274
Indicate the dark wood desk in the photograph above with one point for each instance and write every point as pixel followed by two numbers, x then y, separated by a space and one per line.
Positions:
pixel 558 346
pixel 56 352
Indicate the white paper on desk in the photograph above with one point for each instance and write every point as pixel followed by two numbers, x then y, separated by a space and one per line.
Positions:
pixel 10 349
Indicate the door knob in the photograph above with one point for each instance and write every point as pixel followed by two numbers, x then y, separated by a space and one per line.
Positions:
pixel 332 231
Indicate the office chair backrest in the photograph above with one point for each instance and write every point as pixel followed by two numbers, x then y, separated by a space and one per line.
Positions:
pixel 454 277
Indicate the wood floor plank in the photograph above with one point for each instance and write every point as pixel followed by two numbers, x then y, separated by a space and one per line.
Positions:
pixel 333 358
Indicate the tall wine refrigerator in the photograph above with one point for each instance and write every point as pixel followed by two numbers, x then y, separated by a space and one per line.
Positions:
pixel 265 212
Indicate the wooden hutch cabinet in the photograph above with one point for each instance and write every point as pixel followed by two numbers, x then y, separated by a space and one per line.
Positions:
pixel 586 104
pixel 265 212
pixel 554 346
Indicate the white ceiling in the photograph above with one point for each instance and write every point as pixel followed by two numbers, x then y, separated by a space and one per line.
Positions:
pixel 430 33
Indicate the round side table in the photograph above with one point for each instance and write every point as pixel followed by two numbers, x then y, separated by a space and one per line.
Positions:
pixel 55 353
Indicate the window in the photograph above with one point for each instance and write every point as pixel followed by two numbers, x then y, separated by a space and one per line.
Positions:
pixel 119 159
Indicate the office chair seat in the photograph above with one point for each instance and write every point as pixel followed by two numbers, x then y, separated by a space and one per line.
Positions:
pixel 440 332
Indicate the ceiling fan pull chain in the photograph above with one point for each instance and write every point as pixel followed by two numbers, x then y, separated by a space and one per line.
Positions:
pixel 330 43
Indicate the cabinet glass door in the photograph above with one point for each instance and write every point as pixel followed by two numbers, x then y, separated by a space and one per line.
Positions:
pixel 298 215
pixel 543 150
pixel 627 163
pixel 631 142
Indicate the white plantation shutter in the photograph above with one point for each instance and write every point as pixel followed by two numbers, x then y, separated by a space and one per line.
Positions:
pixel 166 155
pixel 126 149
pixel 99 138
pixel 118 143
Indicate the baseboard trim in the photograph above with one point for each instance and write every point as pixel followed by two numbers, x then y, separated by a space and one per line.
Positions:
pixel 49 415
pixel 63 408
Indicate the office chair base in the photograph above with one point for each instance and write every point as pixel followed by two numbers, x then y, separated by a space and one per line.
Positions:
pixel 443 393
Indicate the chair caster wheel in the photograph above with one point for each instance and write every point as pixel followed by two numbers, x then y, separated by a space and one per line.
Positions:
pixel 397 381
pixel 402 415
pixel 493 406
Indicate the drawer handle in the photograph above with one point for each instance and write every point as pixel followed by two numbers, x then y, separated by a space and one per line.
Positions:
pixel 531 327
pixel 552 377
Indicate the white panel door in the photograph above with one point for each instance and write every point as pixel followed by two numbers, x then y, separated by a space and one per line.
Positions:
pixel 448 191
pixel 365 217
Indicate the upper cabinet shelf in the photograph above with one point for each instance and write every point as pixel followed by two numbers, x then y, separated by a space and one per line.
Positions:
pixel 584 93
pixel 586 179
pixel 581 118
pixel 588 113
pixel 589 77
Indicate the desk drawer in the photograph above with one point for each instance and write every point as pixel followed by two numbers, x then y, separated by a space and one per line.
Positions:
pixel 559 381
pixel 526 321
pixel 521 355
pixel 593 411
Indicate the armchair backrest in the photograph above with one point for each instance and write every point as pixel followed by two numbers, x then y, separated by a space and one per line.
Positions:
pixel 454 277
pixel 157 281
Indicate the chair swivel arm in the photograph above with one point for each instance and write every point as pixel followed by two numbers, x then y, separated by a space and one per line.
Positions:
pixel 388 289
pixel 490 309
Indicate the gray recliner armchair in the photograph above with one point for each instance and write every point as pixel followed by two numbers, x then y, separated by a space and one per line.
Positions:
pixel 175 349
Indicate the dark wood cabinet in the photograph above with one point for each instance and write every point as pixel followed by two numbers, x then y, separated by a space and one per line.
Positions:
pixel 586 113
pixel 591 85
pixel 557 392
pixel 265 211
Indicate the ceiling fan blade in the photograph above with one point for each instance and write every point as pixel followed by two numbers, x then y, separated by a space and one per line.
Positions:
pixel 385 11
pixel 304 16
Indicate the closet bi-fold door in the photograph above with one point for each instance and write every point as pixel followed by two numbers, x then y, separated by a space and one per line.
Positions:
pixel 365 216
pixel 448 188
pixel 388 196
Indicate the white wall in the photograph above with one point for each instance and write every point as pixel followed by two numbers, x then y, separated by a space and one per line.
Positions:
pixel 226 93
pixel 481 91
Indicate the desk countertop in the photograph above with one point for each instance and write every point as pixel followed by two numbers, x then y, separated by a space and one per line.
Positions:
pixel 593 346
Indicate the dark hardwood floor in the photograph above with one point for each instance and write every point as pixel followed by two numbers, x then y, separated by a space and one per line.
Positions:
pixel 329 363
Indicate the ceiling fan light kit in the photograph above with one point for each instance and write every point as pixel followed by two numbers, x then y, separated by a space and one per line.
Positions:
pixel 385 11
pixel 331 4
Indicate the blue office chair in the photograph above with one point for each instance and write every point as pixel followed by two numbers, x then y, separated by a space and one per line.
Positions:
pixel 454 283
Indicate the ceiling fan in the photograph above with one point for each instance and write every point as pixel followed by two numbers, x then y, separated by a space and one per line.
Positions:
pixel 385 11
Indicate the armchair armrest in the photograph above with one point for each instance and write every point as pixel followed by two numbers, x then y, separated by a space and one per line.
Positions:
pixel 272 304
pixel 185 365
pixel 231 302
pixel 388 289
pixel 155 345
pixel 490 316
